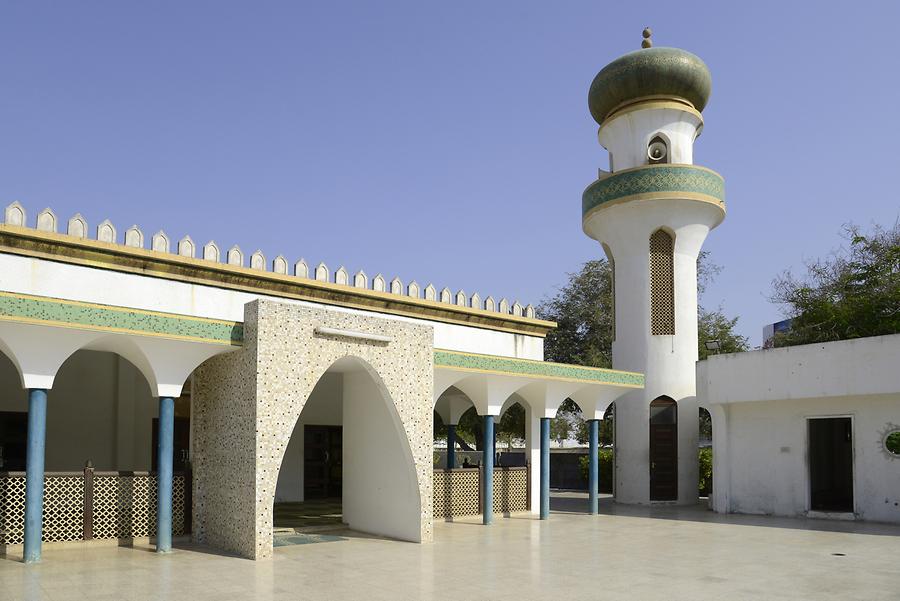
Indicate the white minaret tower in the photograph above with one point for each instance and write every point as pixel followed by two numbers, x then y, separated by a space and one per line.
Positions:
pixel 651 213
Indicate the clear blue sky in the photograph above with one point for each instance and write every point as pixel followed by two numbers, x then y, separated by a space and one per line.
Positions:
pixel 447 142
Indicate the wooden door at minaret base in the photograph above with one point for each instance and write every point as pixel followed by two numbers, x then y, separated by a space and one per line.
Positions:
pixel 663 450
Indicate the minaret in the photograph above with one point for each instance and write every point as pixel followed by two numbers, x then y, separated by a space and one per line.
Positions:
pixel 651 212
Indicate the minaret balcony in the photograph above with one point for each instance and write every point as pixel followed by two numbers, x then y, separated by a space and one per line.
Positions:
pixel 655 182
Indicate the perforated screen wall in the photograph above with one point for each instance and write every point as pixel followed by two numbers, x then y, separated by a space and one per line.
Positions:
pixel 662 284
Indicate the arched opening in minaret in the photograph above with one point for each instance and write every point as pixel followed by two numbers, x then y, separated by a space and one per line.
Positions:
pixel 658 150
pixel 704 485
pixel 662 283
pixel 663 449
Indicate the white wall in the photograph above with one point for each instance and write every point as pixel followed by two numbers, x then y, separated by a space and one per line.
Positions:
pixel 381 494
pixel 27 275
pixel 668 362
pixel 100 409
pixel 628 135
pixel 323 408
pixel 760 402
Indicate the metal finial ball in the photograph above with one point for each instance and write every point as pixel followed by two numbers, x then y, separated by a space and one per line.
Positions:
pixel 647 33
pixel 646 44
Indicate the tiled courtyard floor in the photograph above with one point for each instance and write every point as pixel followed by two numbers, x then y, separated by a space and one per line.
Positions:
pixel 626 553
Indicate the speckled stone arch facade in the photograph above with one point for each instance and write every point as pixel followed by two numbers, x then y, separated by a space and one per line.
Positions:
pixel 245 406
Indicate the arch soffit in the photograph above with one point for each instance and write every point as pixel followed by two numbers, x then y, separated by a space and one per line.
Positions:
pixel 7 352
pixel 451 405
pixel 494 394
pixel 38 352
pixel 348 363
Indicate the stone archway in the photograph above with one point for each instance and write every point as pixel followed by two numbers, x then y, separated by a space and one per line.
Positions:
pixel 247 403
pixel 372 478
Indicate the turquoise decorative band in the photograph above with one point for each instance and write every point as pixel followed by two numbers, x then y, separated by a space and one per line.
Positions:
pixel 64 313
pixel 53 312
pixel 689 181
pixel 528 367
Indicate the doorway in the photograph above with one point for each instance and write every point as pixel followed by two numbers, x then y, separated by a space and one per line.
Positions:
pixel 831 464
pixel 13 440
pixel 322 462
pixel 663 450
pixel 354 468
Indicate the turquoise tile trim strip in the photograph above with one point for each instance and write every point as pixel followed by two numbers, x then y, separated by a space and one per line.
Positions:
pixel 690 180
pixel 541 369
pixel 72 314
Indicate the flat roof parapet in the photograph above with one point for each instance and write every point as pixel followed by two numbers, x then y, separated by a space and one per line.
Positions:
pixel 317 283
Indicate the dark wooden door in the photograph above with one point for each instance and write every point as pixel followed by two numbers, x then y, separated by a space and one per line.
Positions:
pixel 663 450
pixel 831 464
pixel 181 444
pixel 13 438
pixel 322 461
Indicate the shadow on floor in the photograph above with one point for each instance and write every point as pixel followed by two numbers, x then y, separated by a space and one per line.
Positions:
pixel 577 502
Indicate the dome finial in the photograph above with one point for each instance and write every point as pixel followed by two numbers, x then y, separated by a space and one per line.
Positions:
pixel 647 42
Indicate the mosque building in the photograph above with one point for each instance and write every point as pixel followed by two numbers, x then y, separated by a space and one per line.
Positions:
pixel 154 388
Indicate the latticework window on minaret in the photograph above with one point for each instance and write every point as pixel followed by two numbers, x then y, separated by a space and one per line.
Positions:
pixel 662 284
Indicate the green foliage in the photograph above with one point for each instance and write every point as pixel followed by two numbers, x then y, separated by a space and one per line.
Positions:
pixel 892 442
pixel 705 484
pixel 854 293
pixel 583 308
pixel 470 430
pixel 606 473
pixel 714 325
pixel 561 426
pixel 512 425
pixel 604 468
pixel 583 311
pixel 705 425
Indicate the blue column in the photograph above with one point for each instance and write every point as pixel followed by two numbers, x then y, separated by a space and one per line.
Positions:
pixel 487 499
pixel 34 473
pixel 164 474
pixel 451 446
pixel 593 464
pixel 545 468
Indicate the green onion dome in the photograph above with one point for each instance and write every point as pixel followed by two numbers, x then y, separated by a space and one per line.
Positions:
pixel 649 72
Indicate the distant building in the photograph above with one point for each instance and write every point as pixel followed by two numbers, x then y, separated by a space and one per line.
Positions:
pixel 769 331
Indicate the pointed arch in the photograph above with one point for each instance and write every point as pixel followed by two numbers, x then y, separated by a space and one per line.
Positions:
pixel 379 480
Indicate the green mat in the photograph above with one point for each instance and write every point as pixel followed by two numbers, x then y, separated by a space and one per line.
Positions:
pixel 304 539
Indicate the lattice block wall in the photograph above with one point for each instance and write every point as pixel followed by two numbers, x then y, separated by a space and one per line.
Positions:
pixel 12 510
pixel 124 506
pixel 456 493
pixel 63 509
pixel 510 490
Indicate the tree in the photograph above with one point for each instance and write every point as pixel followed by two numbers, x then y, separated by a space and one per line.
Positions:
pixel 852 294
pixel 470 429
pixel 714 325
pixel 512 425
pixel 560 427
pixel 583 310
